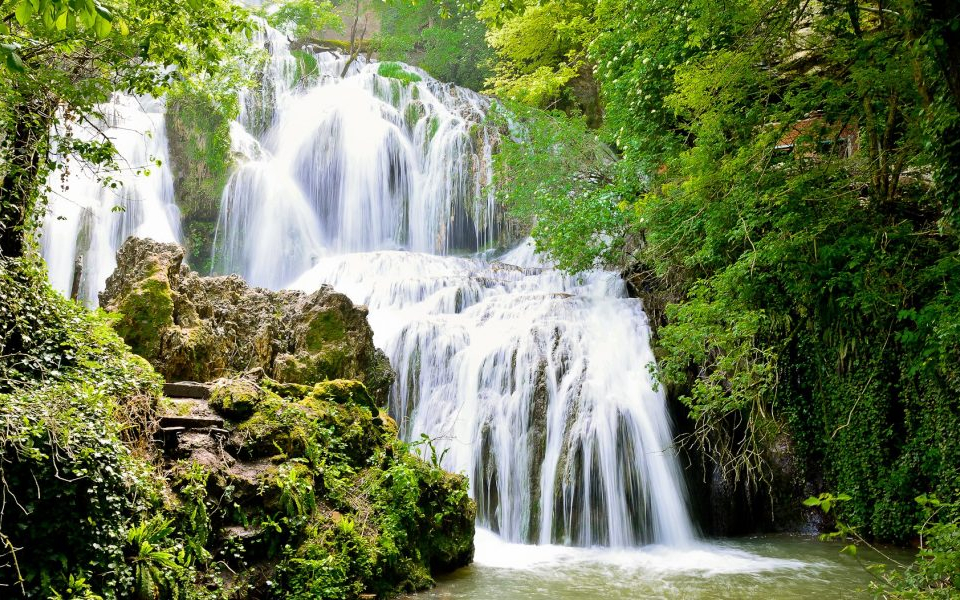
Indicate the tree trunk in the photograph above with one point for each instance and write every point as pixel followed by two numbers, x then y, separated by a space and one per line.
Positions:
pixel 24 153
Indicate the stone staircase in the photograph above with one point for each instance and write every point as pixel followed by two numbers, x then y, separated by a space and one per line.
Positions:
pixel 189 417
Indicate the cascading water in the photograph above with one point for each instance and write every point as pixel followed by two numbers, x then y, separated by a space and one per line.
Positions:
pixel 536 383
pixel 86 221
pixel 352 164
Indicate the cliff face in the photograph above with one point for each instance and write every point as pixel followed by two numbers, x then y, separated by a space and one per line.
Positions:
pixel 200 328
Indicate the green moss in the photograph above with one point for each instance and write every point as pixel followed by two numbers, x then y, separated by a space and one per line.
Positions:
pixel 294 391
pixel 324 328
pixel 344 391
pixel 235 398
pixel 308 368
pixel 198 131
pixel 397 71
pixel 307 69
pixel 413 113
pixel 433 126
pixel 145 312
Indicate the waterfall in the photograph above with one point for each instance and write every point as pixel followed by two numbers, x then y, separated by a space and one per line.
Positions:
pixel 87 220
pixel 359 163
pixel 534 383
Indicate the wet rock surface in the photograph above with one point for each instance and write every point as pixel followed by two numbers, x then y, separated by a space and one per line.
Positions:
pixel 201 328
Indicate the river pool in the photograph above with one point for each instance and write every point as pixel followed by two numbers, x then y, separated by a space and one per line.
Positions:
pixel 777 566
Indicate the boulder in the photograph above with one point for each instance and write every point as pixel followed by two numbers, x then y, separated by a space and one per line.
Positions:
pixel 202 328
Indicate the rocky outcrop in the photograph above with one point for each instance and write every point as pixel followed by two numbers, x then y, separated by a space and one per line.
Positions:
pixel 201 328
pixel 325 500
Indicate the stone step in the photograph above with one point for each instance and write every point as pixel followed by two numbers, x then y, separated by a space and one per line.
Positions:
pixel 186 389
pixel 191 422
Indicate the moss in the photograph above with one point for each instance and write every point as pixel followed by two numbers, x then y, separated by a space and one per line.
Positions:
pixel 325 327
pixel 397 71
pixel 145 312
pixel 350 423
pixel 286 390
pixel 433 126
pixel 344 391
pixel 413 113
pixel 307 368
pixel 235 398
pixel 198 131
pixel 307 68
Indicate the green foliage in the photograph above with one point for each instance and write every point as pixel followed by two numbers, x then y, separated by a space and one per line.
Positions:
pixel 441 37
pixel 155 568
pixel 541 48
pixel 348 509
pixel 302 18
pixel 198 120
pixel 396 71
pixel 933 574
pixel 63 58
pixel 553 171
pixel 70 480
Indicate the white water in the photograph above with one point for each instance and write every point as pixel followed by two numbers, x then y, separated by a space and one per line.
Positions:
pixel 534 383
pixel 352 164
pixel 88 220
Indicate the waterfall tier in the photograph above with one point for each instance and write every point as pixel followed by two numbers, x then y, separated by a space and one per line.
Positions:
pixel 88 219
pixel 534 384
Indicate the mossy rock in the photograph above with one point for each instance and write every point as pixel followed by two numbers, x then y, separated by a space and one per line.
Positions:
pixel 236 399
pixel 145 313
pixel 294 391
pixel 344 391
pixel 202 328
pixel 338 415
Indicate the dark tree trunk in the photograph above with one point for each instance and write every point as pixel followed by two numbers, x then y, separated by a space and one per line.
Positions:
pixel 24 152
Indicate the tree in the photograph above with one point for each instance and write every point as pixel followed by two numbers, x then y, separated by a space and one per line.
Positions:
pixel 63 57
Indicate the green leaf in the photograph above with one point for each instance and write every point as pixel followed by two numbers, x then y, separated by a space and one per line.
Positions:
pixel 14 62
pixel 24 11
pixel 102 27
pixel 849 549
pixel 811 501
pixel 103 12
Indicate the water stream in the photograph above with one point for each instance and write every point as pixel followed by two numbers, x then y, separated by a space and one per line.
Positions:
pixel 535 383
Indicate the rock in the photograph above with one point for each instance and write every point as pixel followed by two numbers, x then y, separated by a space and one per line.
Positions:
pixel 186 389
pixel 190 422
pixel 235 398
pixel 203 328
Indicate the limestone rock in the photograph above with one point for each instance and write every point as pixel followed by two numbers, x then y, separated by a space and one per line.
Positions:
pixel 203 328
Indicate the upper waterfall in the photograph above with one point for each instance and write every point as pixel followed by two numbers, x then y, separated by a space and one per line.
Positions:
pixel 345 164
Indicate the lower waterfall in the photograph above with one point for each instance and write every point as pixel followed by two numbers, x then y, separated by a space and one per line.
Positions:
pixel 533 383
